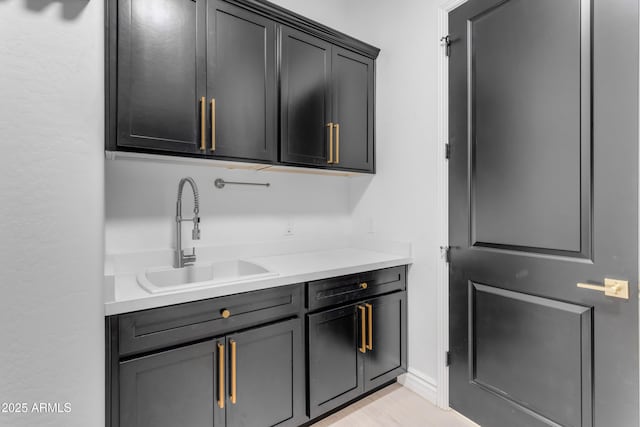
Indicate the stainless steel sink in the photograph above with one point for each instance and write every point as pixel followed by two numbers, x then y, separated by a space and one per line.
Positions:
pixel 169 279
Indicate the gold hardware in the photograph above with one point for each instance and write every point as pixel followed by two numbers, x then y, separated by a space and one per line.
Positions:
pixel 213 124
pixel 337 143
pixel 221 375
pixel 330 126
pixel 611 288
pixel 370 334
pixel 363 285
pixel 363 345
pixel 225 313
pixel 203 110
pixel 233 372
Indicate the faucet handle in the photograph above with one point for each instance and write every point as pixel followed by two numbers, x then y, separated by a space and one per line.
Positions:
pixel 189 258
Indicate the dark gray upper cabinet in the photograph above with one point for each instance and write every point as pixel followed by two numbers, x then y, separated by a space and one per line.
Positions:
pixel 200 78
pixel 326 104
pixel 305 98
pixel 353 110
pixel 160 74
pixel 241 83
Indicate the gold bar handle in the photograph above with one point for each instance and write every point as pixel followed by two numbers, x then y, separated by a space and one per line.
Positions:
pixel 330 126
pixel 234 395
pixel 370 325
pixel 612 288
pixel 213 124
pixel 203 110
pixel 363 327
pixel 221 375
pixel 337 126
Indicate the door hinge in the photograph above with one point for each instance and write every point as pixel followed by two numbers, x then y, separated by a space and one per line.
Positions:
pixel 446 42
pixel 447 359
pixel 446 253
pixel 447 151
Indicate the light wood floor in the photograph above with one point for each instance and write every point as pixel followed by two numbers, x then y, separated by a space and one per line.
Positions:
pixel 394 406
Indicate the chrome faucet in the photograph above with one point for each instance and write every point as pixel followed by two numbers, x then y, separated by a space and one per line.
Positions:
pixel 181 259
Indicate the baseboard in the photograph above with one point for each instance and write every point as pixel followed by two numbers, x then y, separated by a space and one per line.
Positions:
pixel 421 384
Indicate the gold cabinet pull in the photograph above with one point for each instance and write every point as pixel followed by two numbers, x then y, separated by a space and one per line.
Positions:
pixel 363 327
pixel 337 126
pixel 213 124
pixel 612 288
pixel 330 126
pixel 221 375
pixel 233 372
pixel 370 326
pixel 203 110
pixel 225 313
pixel 363 285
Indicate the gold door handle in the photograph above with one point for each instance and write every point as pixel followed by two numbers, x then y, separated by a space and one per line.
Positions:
pixel 363 327
pixel 612 288
pixel 234 395
pixel 370 325
pixel 330 126
pixel 213 124
pixel 337 143
pixel 203 110
pixel 221 375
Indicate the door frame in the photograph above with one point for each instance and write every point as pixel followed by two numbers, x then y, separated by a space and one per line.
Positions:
pixel 442 181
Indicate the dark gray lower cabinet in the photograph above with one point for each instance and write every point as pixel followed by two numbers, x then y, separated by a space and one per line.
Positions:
pixel 269 376
pixel 251 378
pixel 171 388
pixel 354 349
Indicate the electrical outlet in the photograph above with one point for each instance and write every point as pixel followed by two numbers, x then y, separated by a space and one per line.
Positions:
pixel 289 229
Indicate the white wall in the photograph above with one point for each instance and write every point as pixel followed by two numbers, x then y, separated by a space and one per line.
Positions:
pixel 141 205
pixel 51 215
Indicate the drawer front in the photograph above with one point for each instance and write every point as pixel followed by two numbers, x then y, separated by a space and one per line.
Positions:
pixel 177 324
pixel 340 290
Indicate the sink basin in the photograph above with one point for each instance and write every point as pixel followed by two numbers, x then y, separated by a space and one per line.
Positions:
pixel 169 279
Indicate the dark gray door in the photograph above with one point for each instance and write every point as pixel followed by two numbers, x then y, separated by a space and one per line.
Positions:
pixel 543 195
pixel 269 376
pixel 336 349
pixel 353 104
pixel 161 74
pixel 241 83
pixel 305 98
pixel 172 388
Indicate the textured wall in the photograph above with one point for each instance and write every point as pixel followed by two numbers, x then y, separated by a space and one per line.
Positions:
pixel 51 214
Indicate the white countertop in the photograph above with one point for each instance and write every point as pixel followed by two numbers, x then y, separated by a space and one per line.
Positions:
pixel 125 295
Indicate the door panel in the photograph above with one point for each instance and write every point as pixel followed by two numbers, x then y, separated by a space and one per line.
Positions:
pixel 305 104
pixel 241 77
pixel 335 363
pixel 526 126
pixel 386 357
pixel 353 109
pixel 160 74
pixel 172 388
pixel 543 194
pixel 269 370
pixel 524 349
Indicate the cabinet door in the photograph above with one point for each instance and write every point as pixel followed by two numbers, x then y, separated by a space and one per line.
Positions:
pixel 353 110
pixel 386 356
pixel 241 77
pixel 269 376
pixel 305 106
pixel 161 74
pixel 172 388
pixel 335 361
